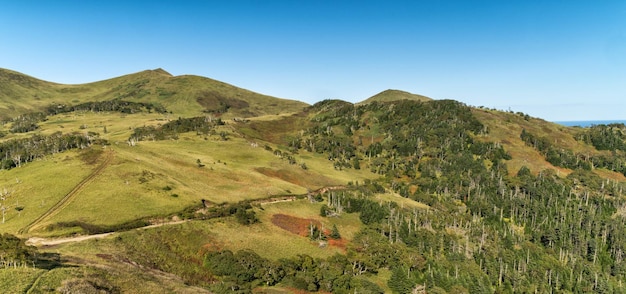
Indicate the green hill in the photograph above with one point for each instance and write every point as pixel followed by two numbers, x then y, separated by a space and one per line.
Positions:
pixel 395 95
pixel 189 185
pixel 183 95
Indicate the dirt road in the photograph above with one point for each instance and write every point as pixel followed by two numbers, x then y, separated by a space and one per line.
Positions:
pixel 36 241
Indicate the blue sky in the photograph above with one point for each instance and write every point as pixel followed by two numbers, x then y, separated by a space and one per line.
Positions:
pixel 558 60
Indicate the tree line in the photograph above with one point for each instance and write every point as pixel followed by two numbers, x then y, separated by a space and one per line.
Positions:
pixel 16 152
pixel 202 125
pixel 29 121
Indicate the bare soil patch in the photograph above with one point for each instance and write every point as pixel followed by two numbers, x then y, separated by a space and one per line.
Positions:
pixel 293 224
pixel 301 227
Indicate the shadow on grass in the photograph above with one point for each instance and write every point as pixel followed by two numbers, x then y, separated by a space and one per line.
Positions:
pixel 49 261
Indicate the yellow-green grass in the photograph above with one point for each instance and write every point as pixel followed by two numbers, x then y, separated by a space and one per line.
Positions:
pixel 401 201
pixel 395 95
pixel 505 128
pixel 180 94
pixel 39 185
pixel 123 277
pixel 348 224
pixel 18 280
pixel 273 242
pixel 264 238
pixel 158 178
pixel 155 178
pixel 191 239
pixel 118 126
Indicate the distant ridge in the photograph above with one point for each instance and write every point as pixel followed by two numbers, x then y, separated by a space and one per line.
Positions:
pixel 185 95
pixel 162 71
pixel 394 95
pixel 588 123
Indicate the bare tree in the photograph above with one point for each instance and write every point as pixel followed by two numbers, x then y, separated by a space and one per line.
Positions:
pixel 4 195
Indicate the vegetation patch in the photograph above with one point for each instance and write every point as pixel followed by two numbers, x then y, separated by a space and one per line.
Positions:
pixel 283 174
pixel 295 225
pixel 90 156
pixel 215 102
pixel 91 229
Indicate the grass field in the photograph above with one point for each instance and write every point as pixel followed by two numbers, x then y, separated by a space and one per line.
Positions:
pixel 153 178
pixel 37 186
pixel 18 280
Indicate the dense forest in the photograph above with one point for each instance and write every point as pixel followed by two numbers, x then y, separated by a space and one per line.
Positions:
pixel 486 230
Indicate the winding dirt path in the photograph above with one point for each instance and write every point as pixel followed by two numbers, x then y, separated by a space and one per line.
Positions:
pixel 71 195
pixel 36 241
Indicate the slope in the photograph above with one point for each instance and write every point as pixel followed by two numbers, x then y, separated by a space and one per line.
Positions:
pixel 183 95
pixel 394 95
pixel 432 195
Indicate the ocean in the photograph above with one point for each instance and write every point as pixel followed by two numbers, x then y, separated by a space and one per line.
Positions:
pixel 588 123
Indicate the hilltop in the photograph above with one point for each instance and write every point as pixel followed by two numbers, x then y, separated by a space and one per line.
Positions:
pixel 395 95
pixel 186 95
pixel 186 184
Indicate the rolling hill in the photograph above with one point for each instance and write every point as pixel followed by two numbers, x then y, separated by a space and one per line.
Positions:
pixel 186 95
pixel 394 95
pixel 189 185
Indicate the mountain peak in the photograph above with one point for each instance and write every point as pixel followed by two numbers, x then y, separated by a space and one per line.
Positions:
pixel 162 72
pixel 395 95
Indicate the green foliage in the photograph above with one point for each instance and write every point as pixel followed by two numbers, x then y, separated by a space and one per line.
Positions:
pixel 114 105
pixel 15 253
pixel 17 151
pixel 401 280
pixel 244 270
pixel 245 217
pixel 556 156
pixel 602 137
pixel 481 230
pixel 91 229
pixel 334 233
pixel 170 130
pixel 27 122
pixel 606 137
pixel 324 210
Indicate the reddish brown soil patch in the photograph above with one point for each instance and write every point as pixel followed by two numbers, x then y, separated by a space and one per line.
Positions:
pixel 301 226
pixel 340 243
pixel 296 225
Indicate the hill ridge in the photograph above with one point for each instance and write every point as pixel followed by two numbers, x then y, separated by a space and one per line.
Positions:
pixel 394 95
pixel 185 95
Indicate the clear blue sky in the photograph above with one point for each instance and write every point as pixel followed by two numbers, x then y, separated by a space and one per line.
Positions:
pixel 558 60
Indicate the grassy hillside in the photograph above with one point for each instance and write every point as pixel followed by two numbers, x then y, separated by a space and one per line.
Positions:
pixel 395 95
pixel 182 95
pixel 247 192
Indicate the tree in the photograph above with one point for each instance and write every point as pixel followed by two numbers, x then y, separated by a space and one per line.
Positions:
pixel 324 210
pixel 334 233
pixel 4 195
pixel 400 281
pixel 246 217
